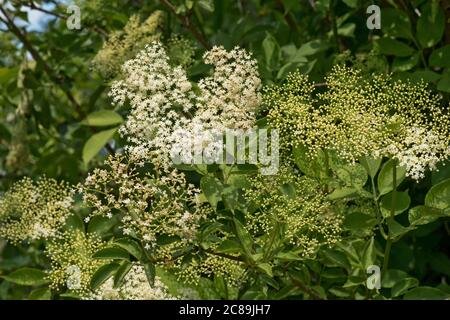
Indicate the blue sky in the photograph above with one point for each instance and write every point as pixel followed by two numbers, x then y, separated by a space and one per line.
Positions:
pixel 37 20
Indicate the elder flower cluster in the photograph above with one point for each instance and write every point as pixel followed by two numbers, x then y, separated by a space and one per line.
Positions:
pixel 72 265
pixel 299 203
pixel 164 102
pixel 34 210
pixel 359 115
pixel 124 44
pixel 148 205
pixel 135 286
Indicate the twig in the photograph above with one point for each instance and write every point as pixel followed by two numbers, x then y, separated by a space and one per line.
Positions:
pixel 186 21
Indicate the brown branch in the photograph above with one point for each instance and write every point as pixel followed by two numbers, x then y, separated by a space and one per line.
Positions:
pixel 186 21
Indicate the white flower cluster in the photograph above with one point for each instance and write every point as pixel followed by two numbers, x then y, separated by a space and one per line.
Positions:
pixel 164 103
pixel 419 151
pixel 134 287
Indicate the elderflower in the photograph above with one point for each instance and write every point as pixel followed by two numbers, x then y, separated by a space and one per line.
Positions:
pixel 299 203
pixel 124 44
pixel 148 206
pixel 71 259
pixel 360 115
pixel 166 105
pixel 34 210
pixel 135 286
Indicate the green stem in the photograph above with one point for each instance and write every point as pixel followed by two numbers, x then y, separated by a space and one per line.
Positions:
pixel 388 247
pixel 378 211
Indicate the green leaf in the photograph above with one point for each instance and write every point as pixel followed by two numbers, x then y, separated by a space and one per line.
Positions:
pixel 96 143
pixel 352 175
pixel 426 293
pixel 425 75
pixel 402 202
pixel 421 215
pixel 392 277
pixel 74 222
pixel 396 230
pixel 288 68
pixel 385 178
pixel 396 23
pixel 444 83
pixel 439 196
pixel 121 273
pixel 265 267
pixel 342 193
pixel 244 237
pixel 431 25
pixel 335 258
pixel 368 257
pixel 40 294
pixel 102 118
pixel 393 47
pixel 359 222
pixel 312 47
pixel 131 246
pixel 212 188
pixel 371 165
pixel 111 253
pixel 27 277
pixel 402 64
pixel 351 3
pixel 150 272
pixel 229 246
pixel 311 167
pixel 271 51
pixel 402 286
pixel 288 256
pixel 440 57
pixel 101 225
pixel 102 274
